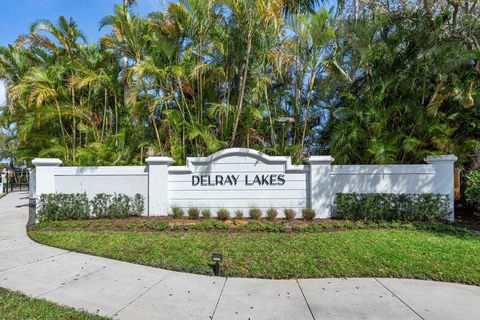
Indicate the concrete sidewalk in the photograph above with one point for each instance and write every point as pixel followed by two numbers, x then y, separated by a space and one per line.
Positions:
pixel 128 291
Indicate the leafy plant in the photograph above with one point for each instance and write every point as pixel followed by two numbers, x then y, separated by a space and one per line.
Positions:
pixel 272 214
pixel 223 214
pixel 100 204
pixel 472 189
pixel 391 207
pixel 120 206
pixel 177 213
pixel 206 214
pixel 255 213
pixel 239 214
pixel 290 214
pixel 62 206
pixel 308 214
pixel 117 205
pixel 193 213
pixel 210 224
pixel 257 226
pixel 138 204
pixel 157 225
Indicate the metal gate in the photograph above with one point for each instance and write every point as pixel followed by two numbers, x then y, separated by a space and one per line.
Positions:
pixel 15 179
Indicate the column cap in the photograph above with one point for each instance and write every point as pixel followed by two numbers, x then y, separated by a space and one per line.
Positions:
pixel 159 160
pixel 441 158
pixel 320 160
pixel 46 162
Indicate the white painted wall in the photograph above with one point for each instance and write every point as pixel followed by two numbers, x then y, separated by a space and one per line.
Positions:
pixel 382 179
pixel 110 180
pixel 313 185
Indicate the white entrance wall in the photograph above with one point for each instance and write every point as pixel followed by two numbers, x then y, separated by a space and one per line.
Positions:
pixel 239 179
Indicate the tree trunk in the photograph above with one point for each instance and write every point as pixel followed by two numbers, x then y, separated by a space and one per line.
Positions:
pixel 242 86
pixel 307 109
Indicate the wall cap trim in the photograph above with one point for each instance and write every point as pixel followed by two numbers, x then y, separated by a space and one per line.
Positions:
pixel 159 160
pixel 441 158
pixel 46 162
pixel 320 160
pixel 192 162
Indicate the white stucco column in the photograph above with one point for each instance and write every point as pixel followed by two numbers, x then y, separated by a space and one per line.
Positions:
pixel 320 194
pixel 3 180
pixel 443 180
pixel 158 204
pixel 45 175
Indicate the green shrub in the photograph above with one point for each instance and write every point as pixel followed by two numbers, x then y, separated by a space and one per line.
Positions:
pixel 210 224
pixel 308 228
pixel 138 204
pixel 391 207
pixel 272 214
pixel 290 214
pixel 117 206
pixel 257 226
pixel 120 207
pixel 223 214
pixel 177 213
pixel 206 214
pixel 255 213
pixel 239 214
pixel 308 214
pixel 63 206
pixel 193 213
pixel 472 189
pixel 100 204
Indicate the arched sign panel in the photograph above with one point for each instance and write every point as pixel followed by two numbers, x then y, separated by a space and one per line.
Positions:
pixel 239 179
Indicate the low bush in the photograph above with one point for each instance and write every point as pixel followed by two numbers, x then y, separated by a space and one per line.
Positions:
pixel 177 213
pixel 272 214
pixel 392 207
pixel 138 204
pixel 157 225
pixel 239 214
pixel 117 205
pixel 193 213
pixel 290 214
pixel 256 226
pixel 62 206
pixel 223 214
pixel 206 214
pixel 76 206
pixel 120 206
pixel 308 214
pixel 100 204
pixel 255 213
pixel 207 225
pixel 472 189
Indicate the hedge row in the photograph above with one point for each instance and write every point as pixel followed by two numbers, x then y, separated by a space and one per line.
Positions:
pixel 77 206
pixel 392 207
pixel 353 206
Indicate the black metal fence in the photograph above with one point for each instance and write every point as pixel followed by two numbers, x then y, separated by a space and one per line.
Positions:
pixel 15 179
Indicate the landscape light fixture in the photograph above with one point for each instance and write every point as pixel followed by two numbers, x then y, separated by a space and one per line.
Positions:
pixel 217 258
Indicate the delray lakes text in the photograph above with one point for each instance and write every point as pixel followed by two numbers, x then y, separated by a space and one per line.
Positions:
pixel 234 180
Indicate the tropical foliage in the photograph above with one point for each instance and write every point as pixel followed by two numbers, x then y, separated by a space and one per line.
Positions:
pixel 367 81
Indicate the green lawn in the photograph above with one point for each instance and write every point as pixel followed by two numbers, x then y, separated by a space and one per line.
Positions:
pixel 16 306
pixel 353 253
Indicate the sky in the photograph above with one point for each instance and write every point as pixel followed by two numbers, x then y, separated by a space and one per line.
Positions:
pixel 16 17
